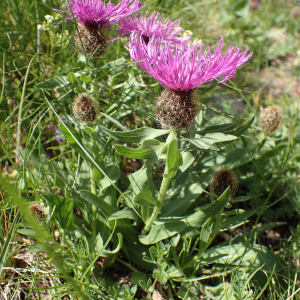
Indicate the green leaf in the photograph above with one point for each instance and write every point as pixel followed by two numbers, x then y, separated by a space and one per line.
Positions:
pixel 63 207
pixel 66 128
pixel 180 204
pixel 150 149
pixel 162 231
pixel 56 82
pixel 106 209
pixel 240 199
pixel 241 128
pixel 138 179
pixel 9 239
pixel 145 197
pixel 207 229
pixel 72 78
pixel 117 123
pixel 114 66
pixel 197 218
pixel 187 159
pixel 136 277
pixel 135 252
pixel 237 219
pixel 119 246
pixel 237 158
pixel 253 256
pixel 85 78
pixel 212 141
pixel 126 213
pixel 113 173
pixel 136 135
pixel 223 128
pixel 174 160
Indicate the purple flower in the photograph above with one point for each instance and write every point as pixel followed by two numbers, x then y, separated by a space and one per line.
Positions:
pixel 158 26
pixel 59 137
pixel 185 67
pixel 96 13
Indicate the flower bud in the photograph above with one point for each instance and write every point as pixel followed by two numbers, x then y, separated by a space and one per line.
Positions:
pixel 38 210
pixel 270 118
pixel 85 109
pixel 223 179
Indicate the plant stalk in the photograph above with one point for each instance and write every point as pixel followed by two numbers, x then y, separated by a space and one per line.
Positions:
pixel 160 200
pixel 93 191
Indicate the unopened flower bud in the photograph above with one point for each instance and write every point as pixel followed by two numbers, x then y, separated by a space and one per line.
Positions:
pixel 38 210
pixel 223 179
pixel 85 109
pixel 270 118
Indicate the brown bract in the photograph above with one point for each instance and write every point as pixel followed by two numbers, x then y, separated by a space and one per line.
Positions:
pixel 85 109
pixel 270 118
pixel 223 179
pixel 38 211
pixel 93 40
pixel 177 109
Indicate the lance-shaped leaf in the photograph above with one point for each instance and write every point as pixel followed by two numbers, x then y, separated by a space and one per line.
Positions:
pixel 174 159
pixel 136 135
pixel 197 218
pixel 150 149
pixel 224 128
pixel 145 197
pixel 162 231
pixel 240 129
pixel 56 82
pixel 71 135
pixel 212 141
pixel 253 256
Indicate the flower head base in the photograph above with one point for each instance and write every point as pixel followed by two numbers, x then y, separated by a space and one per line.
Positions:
pixel 270 118
pixel 185 67
pixel 157 26
pixel 95 13
pixel 223 179
pixel 177 109
pixel 85 109
pixel 92 39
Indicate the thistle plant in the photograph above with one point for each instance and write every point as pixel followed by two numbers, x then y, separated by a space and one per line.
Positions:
pixel 123 193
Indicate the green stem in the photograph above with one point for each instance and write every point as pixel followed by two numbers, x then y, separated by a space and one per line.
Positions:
pixel 162 191
pixel 93 191
pixel 160 200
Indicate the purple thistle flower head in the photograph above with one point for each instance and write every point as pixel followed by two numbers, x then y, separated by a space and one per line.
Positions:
pixel 95 13
pixel 185 67
pixel 158 26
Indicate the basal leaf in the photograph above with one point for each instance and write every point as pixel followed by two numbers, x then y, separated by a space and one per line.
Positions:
pixel 162 231
pixel 253 255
